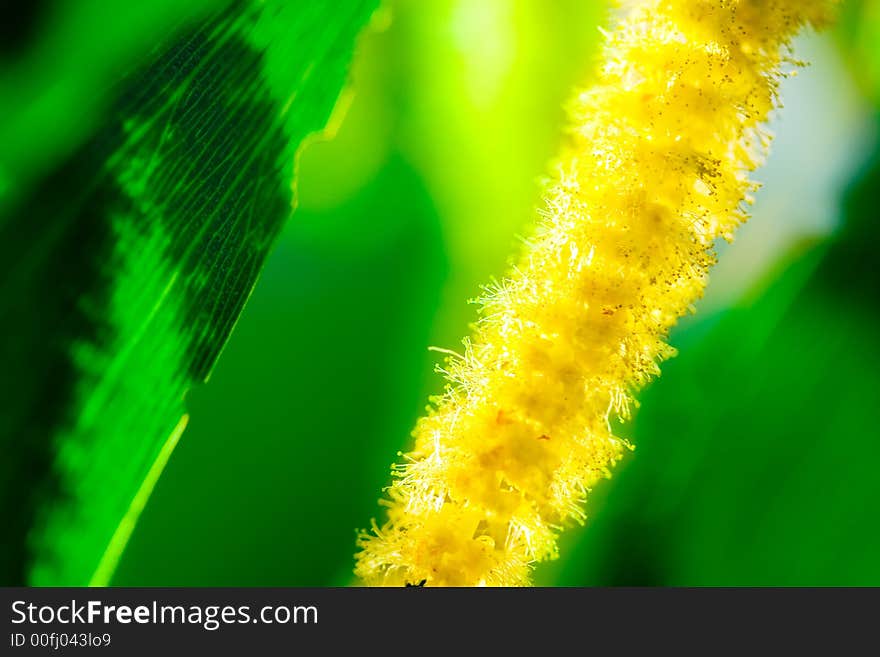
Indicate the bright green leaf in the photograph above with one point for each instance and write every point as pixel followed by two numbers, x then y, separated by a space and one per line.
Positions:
pixel 125 267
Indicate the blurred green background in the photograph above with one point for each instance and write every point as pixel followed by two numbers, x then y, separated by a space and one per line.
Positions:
pixel 756 450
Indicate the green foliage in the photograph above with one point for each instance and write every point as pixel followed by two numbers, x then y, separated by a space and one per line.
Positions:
pixel 759 473
pixel 128 254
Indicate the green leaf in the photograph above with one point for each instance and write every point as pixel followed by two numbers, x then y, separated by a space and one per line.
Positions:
pixel 125 264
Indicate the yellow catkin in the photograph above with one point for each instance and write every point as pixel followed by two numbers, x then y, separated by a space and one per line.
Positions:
pixel 656 170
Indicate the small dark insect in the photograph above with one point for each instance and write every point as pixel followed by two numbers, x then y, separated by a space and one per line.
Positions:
pixel 422 583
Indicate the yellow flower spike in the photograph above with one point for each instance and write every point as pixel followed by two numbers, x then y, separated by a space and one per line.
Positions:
pixel 656 171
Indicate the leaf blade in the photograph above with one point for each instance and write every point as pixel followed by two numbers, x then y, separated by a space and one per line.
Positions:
pixel 169 210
